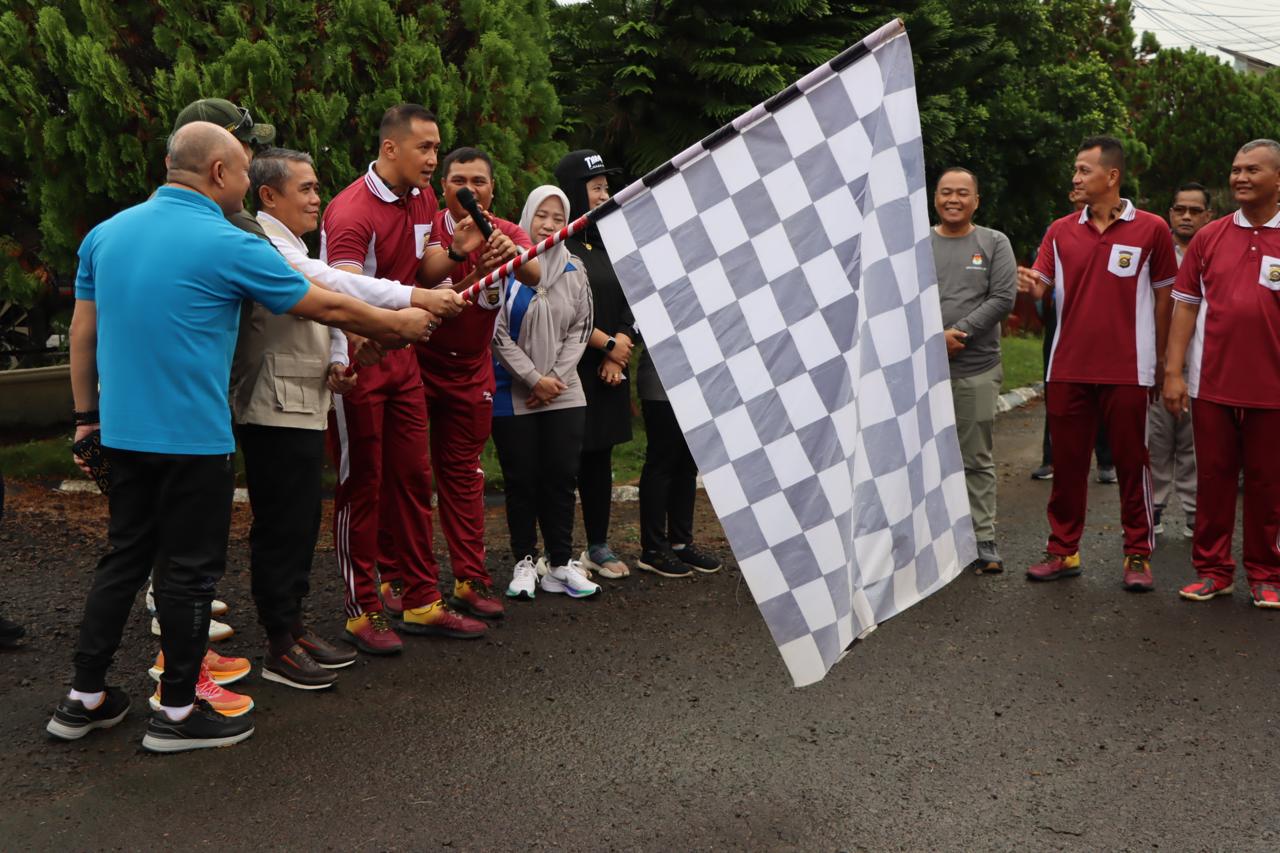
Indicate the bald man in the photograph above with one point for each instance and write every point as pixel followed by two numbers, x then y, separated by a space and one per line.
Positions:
pixel 158 296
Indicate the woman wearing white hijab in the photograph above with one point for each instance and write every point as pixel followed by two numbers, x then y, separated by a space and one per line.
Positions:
pixel 539 409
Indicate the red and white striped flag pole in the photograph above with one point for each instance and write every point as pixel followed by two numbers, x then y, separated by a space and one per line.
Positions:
pixel 524 257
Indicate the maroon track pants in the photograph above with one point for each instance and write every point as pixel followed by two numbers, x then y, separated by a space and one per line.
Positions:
pixel 1074 409
pixel 1227 438
pixel 378 436
pixel 459 404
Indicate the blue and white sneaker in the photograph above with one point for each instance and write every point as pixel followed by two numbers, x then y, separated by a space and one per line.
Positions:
pixel 524 580
pixel 569 580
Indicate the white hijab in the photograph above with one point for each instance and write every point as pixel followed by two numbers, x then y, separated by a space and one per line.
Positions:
pixel 539 322
pixel 553 261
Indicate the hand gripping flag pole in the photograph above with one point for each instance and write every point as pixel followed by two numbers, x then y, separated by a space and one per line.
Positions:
pixel 524 257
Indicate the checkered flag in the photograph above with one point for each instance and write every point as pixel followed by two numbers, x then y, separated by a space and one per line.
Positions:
pixel 781 274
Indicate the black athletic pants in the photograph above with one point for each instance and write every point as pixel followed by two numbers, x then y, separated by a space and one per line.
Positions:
pixel 539 454
pixel 282 467
pixel 595 489
pixel 667 482
pixel 170 514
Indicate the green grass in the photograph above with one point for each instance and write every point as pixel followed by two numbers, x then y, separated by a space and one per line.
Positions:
pixel 1023 361
pixel 51 457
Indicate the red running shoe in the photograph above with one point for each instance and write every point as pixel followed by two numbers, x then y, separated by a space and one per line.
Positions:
pixel 1055 566
pixel 371 633
pixel 441 620
pixel 1265 595
pixel 1137 573
pixel 1207 588
pixel 478 599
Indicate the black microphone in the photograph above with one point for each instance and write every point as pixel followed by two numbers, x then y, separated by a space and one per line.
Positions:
pixel 467 199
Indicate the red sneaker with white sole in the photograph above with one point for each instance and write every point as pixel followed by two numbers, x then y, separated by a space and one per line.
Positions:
pixel 222 700
pixel 1206 589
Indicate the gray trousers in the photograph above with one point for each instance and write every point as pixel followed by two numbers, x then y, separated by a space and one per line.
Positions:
pixel 975 401
pixel 1173 458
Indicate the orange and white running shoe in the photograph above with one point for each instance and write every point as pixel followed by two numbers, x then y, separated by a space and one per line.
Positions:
pixel 223 701
pixel 223 670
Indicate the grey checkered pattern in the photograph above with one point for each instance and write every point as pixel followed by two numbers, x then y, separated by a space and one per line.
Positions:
pixel 784 285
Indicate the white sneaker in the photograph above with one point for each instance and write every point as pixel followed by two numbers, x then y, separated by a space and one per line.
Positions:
pixel 570 580
pixel 524 581
pixel 217 630
pixel 543 567
pixel 217 608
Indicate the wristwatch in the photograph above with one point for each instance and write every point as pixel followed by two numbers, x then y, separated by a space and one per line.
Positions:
pixel 610 344
pixel 454 256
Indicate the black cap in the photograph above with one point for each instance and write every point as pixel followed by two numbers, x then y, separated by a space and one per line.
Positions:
pixel 581 165
pixel 225 114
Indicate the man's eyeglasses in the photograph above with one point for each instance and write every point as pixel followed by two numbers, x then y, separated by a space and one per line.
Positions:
pixel 246 120
pixel 1183 209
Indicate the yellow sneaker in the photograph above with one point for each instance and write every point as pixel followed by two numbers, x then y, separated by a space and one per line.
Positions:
pixel 441 620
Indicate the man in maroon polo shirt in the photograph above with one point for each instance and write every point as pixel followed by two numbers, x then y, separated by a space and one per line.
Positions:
pixel 379 226
pixel 1109 268
pixel 1228 298
pixel 457 370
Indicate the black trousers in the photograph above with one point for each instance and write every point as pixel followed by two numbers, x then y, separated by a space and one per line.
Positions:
pixel 539 454
pixel 668 481
pixel 170 514
pixel 595 488
pixel 282 467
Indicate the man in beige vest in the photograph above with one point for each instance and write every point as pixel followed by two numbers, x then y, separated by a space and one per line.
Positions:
pixel 284 372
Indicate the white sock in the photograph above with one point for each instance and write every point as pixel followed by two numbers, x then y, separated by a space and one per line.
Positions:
pixel 90 700
pixel 176 714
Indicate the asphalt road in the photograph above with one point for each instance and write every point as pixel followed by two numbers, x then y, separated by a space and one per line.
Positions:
pixel 997 715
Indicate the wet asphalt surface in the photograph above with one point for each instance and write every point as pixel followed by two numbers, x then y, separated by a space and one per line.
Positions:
pixel 996 715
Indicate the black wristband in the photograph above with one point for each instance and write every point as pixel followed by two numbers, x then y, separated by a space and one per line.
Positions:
pixel 454 256
pixel 86 418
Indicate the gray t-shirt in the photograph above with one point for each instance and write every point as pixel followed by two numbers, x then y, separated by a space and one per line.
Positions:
pixel 976 287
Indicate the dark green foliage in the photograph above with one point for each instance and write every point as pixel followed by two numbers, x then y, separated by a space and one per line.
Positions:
pixel 91 87
pixel 1007 87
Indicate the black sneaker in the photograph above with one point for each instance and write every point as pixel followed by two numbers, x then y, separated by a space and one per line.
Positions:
pixel 664 563
pixel 1044 472
pixel 203 728
pixel 324 652
pixel 297 669
pixel 697 559
pixel 10 633
pixel 1107 475
pixel 72 720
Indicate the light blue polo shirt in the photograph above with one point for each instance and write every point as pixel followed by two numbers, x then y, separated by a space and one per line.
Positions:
pixel 168 277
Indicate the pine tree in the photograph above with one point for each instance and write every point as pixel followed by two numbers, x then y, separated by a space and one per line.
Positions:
pixel 94 86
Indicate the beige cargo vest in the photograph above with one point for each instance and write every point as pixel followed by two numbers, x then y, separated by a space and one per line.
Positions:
pixel 281 361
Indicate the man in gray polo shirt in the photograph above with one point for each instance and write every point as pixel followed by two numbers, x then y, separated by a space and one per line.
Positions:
pixel 977 283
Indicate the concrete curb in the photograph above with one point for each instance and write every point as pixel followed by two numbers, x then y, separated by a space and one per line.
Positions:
pixel 1019 397
pixel 621 494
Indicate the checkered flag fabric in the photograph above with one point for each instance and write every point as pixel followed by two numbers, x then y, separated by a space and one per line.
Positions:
pixel 781 275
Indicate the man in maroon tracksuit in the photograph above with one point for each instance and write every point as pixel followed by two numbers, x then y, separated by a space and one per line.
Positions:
pixel 1109 269
pixel 1228 301
pixel 379 226
pixel 457 370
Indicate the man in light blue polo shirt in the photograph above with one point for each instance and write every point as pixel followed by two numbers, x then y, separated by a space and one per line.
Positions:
pixel 158 297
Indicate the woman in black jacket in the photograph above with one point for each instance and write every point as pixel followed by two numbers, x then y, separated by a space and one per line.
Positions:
pixel 603 369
